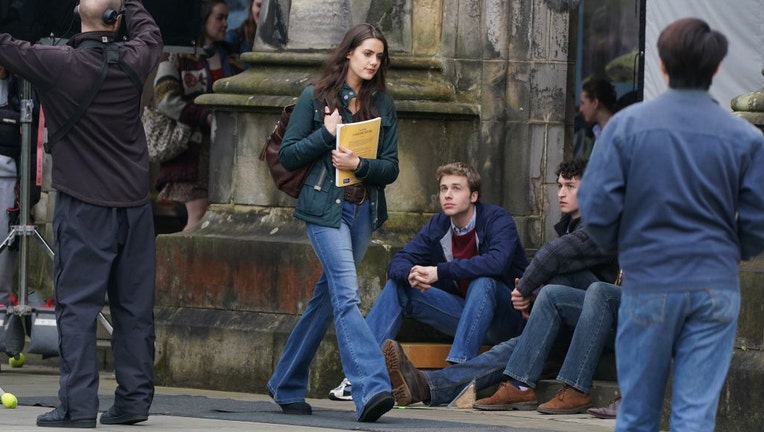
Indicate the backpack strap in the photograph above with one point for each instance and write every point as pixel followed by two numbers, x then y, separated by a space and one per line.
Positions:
pixel 111 55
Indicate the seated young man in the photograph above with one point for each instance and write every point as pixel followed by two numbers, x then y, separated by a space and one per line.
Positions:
pixel 455 275
pixel 573 259
pixel 517 363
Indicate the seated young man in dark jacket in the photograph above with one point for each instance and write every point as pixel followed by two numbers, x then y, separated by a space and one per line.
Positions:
pixel 455 275
pixel 588 312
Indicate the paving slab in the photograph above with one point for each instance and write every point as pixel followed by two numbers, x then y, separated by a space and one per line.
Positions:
pixel 191 410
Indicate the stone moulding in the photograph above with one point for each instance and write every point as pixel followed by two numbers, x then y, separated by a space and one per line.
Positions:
pixel 416 83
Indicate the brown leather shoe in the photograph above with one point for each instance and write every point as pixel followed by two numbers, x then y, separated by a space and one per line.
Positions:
pixel 508 398
pixel 567 401
pixel 606 412
pixel 409 383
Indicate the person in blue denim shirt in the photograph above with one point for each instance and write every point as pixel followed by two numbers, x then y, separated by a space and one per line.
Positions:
pixel 456 274
pixel 675 186
pixel 340 220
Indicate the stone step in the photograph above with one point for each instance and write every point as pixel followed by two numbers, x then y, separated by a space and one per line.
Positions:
pixel 602 393
pixel 431 355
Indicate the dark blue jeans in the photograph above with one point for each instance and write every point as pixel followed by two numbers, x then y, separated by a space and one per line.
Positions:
pixel 592 313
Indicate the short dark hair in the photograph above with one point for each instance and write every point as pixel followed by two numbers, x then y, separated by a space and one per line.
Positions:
pixel 602 90
pixel 691 53
pixel 572 169
pixel 460 169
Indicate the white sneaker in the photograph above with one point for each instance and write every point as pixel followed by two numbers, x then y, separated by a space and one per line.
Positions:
pixel 343 392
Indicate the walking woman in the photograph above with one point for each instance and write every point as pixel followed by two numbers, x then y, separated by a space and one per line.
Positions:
pixel 339 221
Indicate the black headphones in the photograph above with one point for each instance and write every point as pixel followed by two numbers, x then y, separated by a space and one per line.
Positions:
pixel 109 16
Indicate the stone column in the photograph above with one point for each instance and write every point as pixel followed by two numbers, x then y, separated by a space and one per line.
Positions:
pixel 739 407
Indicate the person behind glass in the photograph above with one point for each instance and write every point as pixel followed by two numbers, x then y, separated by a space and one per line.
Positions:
pixel 103 222
pixel 676 188
pixel 599 102
pixel 340 221
pixel 242 39
pixel 180 78
pixel 455 275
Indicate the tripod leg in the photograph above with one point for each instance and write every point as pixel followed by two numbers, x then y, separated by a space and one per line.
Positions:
pixel 106 324
pixel 50 252
pixel 8 240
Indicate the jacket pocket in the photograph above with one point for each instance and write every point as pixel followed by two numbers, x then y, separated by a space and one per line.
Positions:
pixel 314 198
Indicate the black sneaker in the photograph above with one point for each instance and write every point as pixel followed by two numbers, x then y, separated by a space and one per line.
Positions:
pixel 115 416
pixel 379 404
pixel 59 418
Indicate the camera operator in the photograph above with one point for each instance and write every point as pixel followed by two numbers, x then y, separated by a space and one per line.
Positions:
pixel 102 221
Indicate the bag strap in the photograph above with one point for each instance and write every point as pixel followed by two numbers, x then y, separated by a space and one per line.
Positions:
pixel 111 55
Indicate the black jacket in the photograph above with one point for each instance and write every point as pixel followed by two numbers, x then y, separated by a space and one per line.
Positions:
pixel 103 160
pixel 572 251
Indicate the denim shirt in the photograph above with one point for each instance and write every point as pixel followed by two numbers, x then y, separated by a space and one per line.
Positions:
pixel 675 185
pixel 307 140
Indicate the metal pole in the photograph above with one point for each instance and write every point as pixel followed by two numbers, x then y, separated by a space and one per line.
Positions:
pixel 27 107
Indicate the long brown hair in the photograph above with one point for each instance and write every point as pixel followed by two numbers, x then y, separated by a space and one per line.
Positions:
pixel 248 28
pixel 334 71
pixel 205 10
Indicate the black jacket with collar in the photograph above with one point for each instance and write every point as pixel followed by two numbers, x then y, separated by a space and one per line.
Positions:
pixel 572 251
pixel 103 160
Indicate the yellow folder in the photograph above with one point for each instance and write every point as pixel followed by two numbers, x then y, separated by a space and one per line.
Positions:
pixel 362 138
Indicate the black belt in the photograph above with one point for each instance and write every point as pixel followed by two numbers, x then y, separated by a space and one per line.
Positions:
pixel 356 193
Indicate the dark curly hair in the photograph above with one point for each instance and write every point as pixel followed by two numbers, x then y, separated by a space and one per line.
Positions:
pixel 572 169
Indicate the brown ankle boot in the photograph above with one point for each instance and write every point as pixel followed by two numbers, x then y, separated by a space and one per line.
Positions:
pixel 567 401
pixel 508 398
pixel 409 383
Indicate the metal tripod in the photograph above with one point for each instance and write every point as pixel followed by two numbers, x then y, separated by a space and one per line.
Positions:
pixel 23 230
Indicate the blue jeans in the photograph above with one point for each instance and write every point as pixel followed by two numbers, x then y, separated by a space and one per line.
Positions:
pixel 597 308
pixel 335 295
pixel 579 279
pixel 484 316
pixel 694 328
pixel 592 313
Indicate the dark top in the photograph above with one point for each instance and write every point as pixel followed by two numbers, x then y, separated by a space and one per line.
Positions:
pixel 500 253
pixel 307 140
pixel 103 160
pixel 574 250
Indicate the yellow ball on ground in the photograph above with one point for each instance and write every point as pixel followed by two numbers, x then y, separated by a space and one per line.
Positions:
pixel 9 400
pixel 17 363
